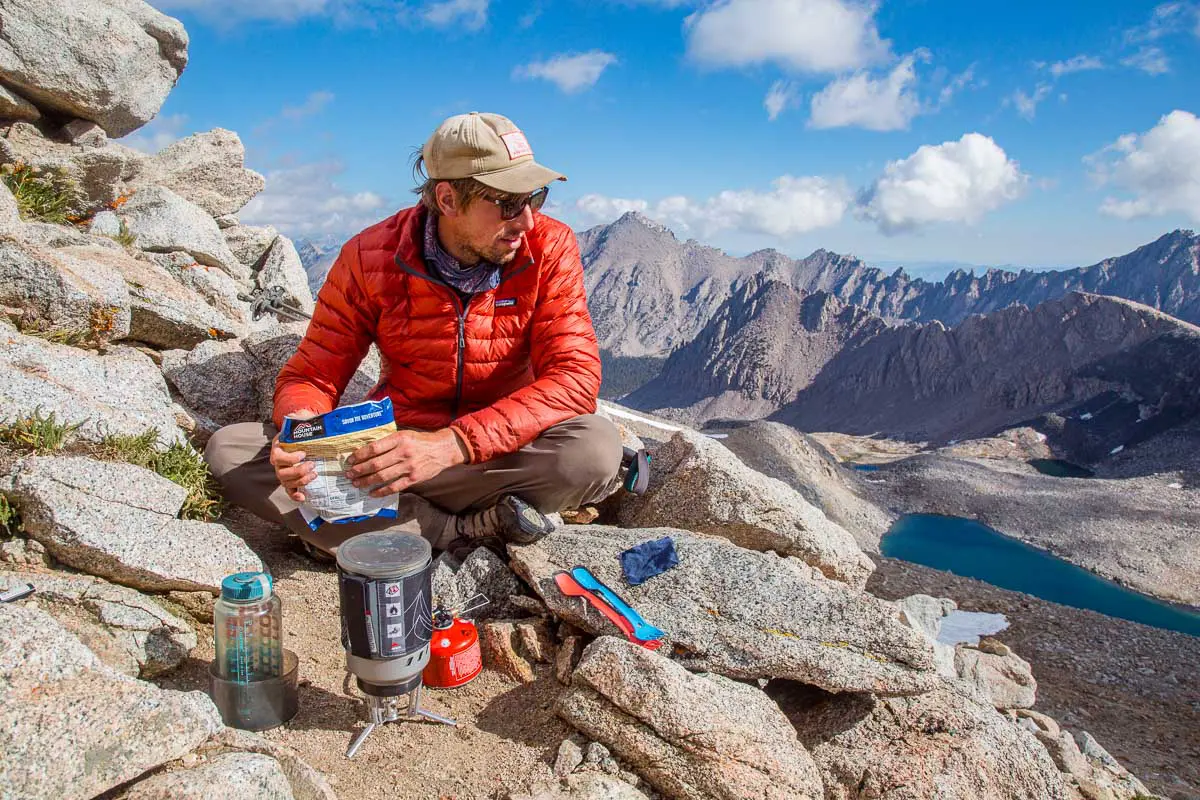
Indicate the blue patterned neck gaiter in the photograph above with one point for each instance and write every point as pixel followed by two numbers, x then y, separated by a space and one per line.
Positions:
pixel 480 277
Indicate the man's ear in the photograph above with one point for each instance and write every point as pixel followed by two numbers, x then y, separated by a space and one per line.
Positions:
pixel 447 200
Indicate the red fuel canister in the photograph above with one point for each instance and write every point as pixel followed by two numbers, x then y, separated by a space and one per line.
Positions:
pixel 454 655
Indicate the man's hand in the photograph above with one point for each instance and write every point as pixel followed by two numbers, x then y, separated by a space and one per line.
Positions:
pixel 291 469
pixel 404 458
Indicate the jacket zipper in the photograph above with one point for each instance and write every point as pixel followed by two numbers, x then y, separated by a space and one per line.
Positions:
pixel 462 349
pixel 463 308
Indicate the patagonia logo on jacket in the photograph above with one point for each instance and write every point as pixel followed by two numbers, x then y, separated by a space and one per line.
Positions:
pixel 506 302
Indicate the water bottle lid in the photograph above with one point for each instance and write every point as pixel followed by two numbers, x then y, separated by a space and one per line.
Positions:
pixel 243 586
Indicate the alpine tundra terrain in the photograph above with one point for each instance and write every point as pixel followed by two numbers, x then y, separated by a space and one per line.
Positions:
pixel 1094 379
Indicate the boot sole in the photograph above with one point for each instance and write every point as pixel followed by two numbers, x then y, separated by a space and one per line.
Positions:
pixel 523 524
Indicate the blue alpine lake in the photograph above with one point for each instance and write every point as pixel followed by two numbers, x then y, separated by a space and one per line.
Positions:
pixel 971 549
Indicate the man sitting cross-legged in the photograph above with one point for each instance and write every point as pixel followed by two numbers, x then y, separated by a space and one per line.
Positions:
pixel 476 303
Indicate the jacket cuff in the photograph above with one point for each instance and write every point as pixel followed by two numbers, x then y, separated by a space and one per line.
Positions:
pixel 461 433
pixel 318 405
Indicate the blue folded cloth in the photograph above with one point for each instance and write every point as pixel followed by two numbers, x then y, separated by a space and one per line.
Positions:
pixel 644 561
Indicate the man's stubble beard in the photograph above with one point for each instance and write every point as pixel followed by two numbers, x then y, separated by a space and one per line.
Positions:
pixel 499 254
pixel 494 254
pixel 499 258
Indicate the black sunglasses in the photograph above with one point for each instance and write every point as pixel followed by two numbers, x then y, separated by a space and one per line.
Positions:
pixel 511 205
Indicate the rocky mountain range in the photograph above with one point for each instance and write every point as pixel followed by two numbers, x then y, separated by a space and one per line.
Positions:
pixel 317 256
pixel 650 293
pixel 1164 274
pixel 816 363
pixel 828 343
pixel 763 345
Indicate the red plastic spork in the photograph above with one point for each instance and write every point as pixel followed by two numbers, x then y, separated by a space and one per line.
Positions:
pixel 569 586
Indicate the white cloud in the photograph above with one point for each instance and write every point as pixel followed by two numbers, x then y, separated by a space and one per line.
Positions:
pixel 1080 63
pixel 794 206
pixel 805 35
pixel 1026 104
pixel 471 14
pixel 156 134
pixel 1160 168
pixel 225 13
pixel 957 84
pixel 1165 20
pixel 305 200
pixel 598 208
pixel 950 182
pixel 780 96
pixel 887 104
pixel 1151 60
pixel 313 104
pixel 571 72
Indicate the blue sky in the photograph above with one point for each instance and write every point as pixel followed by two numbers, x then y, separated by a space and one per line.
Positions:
pixel 1017 133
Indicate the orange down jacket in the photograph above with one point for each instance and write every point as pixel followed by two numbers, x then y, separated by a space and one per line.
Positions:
pixel 517 360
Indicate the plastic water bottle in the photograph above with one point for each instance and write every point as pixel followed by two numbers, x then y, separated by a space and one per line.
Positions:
pixel 248 626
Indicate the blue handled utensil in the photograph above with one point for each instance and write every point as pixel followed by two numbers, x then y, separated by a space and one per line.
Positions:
pixel 642 630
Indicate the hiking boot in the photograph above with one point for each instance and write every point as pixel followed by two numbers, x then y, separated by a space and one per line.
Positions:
pixel 510 521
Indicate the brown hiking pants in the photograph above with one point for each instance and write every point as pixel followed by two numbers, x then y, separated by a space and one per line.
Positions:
pixel 571 464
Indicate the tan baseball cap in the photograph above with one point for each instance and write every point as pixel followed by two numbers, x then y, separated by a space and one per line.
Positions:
pixel 488 148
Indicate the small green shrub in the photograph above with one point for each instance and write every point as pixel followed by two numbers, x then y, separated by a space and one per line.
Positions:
pixel 124 237
pixel 41 195
pixel 137 450
pixel 178 463
pixel 42 434
pixel 75 337
pixel 10 521
pixel 36 433
pixel 182 464
pixel 102 322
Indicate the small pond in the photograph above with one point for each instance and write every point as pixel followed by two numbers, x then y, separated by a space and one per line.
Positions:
pixel 973 550
pixel 1058 468
pixel 867 467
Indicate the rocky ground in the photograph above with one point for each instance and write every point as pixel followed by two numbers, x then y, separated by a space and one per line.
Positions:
pixel 688 722
pixel 866 449
pixel 1015 443
pixel 507 736
pixel 1135 688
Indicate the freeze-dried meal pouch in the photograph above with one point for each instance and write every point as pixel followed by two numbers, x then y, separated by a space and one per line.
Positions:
pixel 327 441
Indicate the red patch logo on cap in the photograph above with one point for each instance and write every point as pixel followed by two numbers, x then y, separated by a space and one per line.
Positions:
pixel 517 145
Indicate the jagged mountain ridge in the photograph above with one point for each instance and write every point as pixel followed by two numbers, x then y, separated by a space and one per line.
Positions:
pixel 649 293
pixel 838 368
pixel 1132 369
pixel 763 345
pixel 317 256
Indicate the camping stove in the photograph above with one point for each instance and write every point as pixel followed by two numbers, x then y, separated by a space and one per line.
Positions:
pixel 387 622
